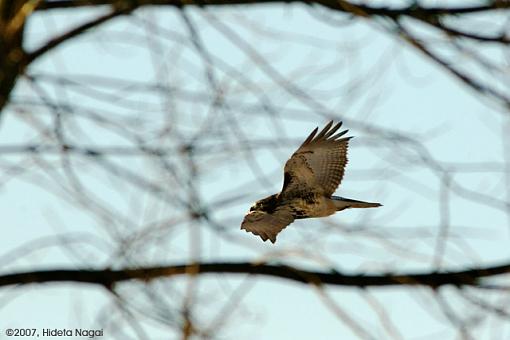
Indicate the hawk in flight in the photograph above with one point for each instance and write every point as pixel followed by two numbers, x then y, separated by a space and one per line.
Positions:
pixel 311 176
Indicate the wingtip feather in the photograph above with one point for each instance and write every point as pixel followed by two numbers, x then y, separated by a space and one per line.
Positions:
pixel 340 134
pixel 324 130
pixel 333 130
pixel 310 136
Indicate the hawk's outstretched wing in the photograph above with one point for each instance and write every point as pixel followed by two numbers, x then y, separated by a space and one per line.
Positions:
pixel 266 225
pixel 319 161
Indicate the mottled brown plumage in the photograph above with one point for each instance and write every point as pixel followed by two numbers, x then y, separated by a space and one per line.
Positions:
pixel 311 176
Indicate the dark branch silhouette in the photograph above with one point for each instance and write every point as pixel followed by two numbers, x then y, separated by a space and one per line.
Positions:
pixel 108 278
pixel 414 10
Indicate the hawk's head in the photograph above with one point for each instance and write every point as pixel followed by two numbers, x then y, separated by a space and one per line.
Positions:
pixel 267 204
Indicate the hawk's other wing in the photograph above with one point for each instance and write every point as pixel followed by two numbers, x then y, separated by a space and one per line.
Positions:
pixel 319 161
pixel 266 225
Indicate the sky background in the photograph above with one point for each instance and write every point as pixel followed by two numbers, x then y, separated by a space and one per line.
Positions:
pixel 353 70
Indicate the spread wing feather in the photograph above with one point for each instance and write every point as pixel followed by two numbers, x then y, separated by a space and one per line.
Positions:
pixel 319 161
pixel 267 225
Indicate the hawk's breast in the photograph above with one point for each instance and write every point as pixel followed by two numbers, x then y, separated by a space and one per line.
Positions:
pixel 311 205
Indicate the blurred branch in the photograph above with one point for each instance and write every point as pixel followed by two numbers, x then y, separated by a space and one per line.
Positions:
pixel 413 10
pixel 14 59
pixel 466 78
pixel 109 278
pixel 31 56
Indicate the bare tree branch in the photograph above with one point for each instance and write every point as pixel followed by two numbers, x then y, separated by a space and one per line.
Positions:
pixel 108 278
pixel 414 9
pixel 31 56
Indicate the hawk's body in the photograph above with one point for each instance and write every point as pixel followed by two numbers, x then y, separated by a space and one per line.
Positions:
pixel 311 176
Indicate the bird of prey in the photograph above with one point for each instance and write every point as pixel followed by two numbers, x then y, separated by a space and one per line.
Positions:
pixel 311 176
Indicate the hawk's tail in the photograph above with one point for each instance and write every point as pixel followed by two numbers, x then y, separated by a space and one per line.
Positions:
pixel 342 203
